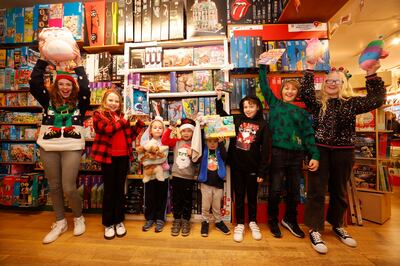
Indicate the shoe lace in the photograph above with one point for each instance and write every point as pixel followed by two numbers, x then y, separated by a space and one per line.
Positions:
pixel 316 236
pixel 342 232
pixel 239 229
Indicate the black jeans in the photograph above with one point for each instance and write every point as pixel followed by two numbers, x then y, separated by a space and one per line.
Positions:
pixel 334 172
pixel 245 182
pixel 182 197
pixel 155 199
pixel 285 174
pixel 114 176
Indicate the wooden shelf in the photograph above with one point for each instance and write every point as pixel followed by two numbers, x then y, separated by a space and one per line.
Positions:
pixel 35 108
pixel 201 41
pixel 134 176
pixel 310 10
pixel 362 158
pixel 20 123
pixel 177 69
pixel 26 163
pixel 374 191
pixel 182 94
pixel 113 49
pixel 15 140
pixel 12 91
pixel 81 170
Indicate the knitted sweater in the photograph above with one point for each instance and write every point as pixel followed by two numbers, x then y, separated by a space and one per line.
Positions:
pixel 290 126
pixel 337 126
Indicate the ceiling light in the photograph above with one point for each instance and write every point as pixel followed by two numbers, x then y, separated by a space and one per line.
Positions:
pixel 396 41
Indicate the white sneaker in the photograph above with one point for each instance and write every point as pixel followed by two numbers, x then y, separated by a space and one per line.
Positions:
pixel 255 231
pixel 238 233
pixel 120 229
pixel 109 232
pixel 79 226
pixel 57 229
pixel 317 243
pixel 345 237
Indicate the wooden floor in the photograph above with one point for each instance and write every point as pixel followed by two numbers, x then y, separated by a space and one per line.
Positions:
pixel 21 234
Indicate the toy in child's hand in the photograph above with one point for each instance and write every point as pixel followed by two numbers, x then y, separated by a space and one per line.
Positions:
pixel 150 155
pixel 314 51
pixel 372 54
pixel 57 45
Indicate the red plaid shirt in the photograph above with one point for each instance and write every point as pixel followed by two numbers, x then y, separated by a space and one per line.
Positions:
pixel 105 127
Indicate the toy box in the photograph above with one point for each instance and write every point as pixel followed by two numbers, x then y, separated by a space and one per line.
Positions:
pixel 190 107
pixel 56 15
pixel 28 24
pixel 146 20
pixel 176 20
pixel 156 20
pixel 95 18
pixel 3 24
pixel 164 19
pixel 217 126
pixel 175 111
pixel 22 152
pixel 208 55
pixel 202 80
pixel 178 57
pixel 184 82
pixel 137 20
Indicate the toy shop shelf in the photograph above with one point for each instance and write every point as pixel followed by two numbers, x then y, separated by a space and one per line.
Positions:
pixel 374 191
pixel 80 170
pixel 12 91
pixel 19 123
pixel 365 131
pixel 366 159
pixel 26 163
pixel 177 69
pixel 15 140
pixel 113 49
pixel 179 43
pixel 182 94
pixel 21 108
pixel 134 176
pixel 310 10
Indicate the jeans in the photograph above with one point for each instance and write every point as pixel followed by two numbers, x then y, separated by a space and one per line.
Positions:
pixel 114 176
pixel 182 197
pixel 334 172
pixel 155 200
pixel 285 174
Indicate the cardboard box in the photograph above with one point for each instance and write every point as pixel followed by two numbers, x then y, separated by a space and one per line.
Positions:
pixel 129 29
pixel 375 207
pixel 156 21
pixel 121 21
pixel 146 20
pixel 164 20
pixel 137 20
pixel 176 20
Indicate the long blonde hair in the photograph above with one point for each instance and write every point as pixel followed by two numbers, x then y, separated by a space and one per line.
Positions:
pixel 345 92
pixel 103 106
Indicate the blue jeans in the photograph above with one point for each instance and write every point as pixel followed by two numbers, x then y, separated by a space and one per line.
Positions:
pixel 285 174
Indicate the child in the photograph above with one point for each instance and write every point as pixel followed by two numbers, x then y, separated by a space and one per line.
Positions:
pixel 211 177
pixel 248 155
pixel 112 147
pixel 334 123
pixel 292 135
pixel 60 141
pixel 156 187
pixel 183 175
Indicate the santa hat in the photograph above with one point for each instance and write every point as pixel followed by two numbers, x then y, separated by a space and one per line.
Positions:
pixel 65 75
pixel 187 123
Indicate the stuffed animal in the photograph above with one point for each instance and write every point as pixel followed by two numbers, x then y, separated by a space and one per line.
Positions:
pixel 153 158
pixel 314 51
pixel 57 45
pixel 372 54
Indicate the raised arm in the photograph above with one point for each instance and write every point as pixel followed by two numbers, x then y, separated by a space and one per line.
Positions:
pixel 307 92
pixel 36 84
pixel 265 88
pixel 83 83
pixel 167 140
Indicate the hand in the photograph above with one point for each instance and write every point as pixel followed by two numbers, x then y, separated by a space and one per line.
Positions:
pixel 374 68
pixel 221 139
pixel 313 165
pixel 260 180
pixel 189 153
pixel 41 51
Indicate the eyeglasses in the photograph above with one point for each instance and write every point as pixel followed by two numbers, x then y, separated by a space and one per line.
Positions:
pixel 333 81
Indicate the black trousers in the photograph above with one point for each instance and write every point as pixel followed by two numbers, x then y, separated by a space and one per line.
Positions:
pixel 285 174
pixel 155 199
pixel 182 197
pixel 245 182
pixel 334 172
pixel 114 176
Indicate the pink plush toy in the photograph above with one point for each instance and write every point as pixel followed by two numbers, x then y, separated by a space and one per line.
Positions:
pixel 372 54
pixel 314 51
pixel 57 44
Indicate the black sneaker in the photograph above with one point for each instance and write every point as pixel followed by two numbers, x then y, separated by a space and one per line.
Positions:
pixel 223 228
pixel 176 227
pixel 204 229
pixel 293 228
pixel 159 226
pixel 146 227
pixel 52 134
pixel 344 237
pixel 185 227
pixel 71 134
pixel 317 243
pixel 274 228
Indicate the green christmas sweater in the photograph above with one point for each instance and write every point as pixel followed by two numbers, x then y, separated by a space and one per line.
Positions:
pixel 290 125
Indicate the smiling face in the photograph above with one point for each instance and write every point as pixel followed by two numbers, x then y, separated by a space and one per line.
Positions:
pixel 212 143
pixel 250 109
pixel 333 84
pixel 112 102
pixel 186 134
pixel 64 88
pixel 289 92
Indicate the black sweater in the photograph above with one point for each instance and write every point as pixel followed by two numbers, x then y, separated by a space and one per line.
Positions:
pixel 250 150
pixel 337 127
pixel 40 93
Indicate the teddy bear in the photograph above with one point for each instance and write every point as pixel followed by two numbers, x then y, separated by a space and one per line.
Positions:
pixel 153 157
pixel 57 46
